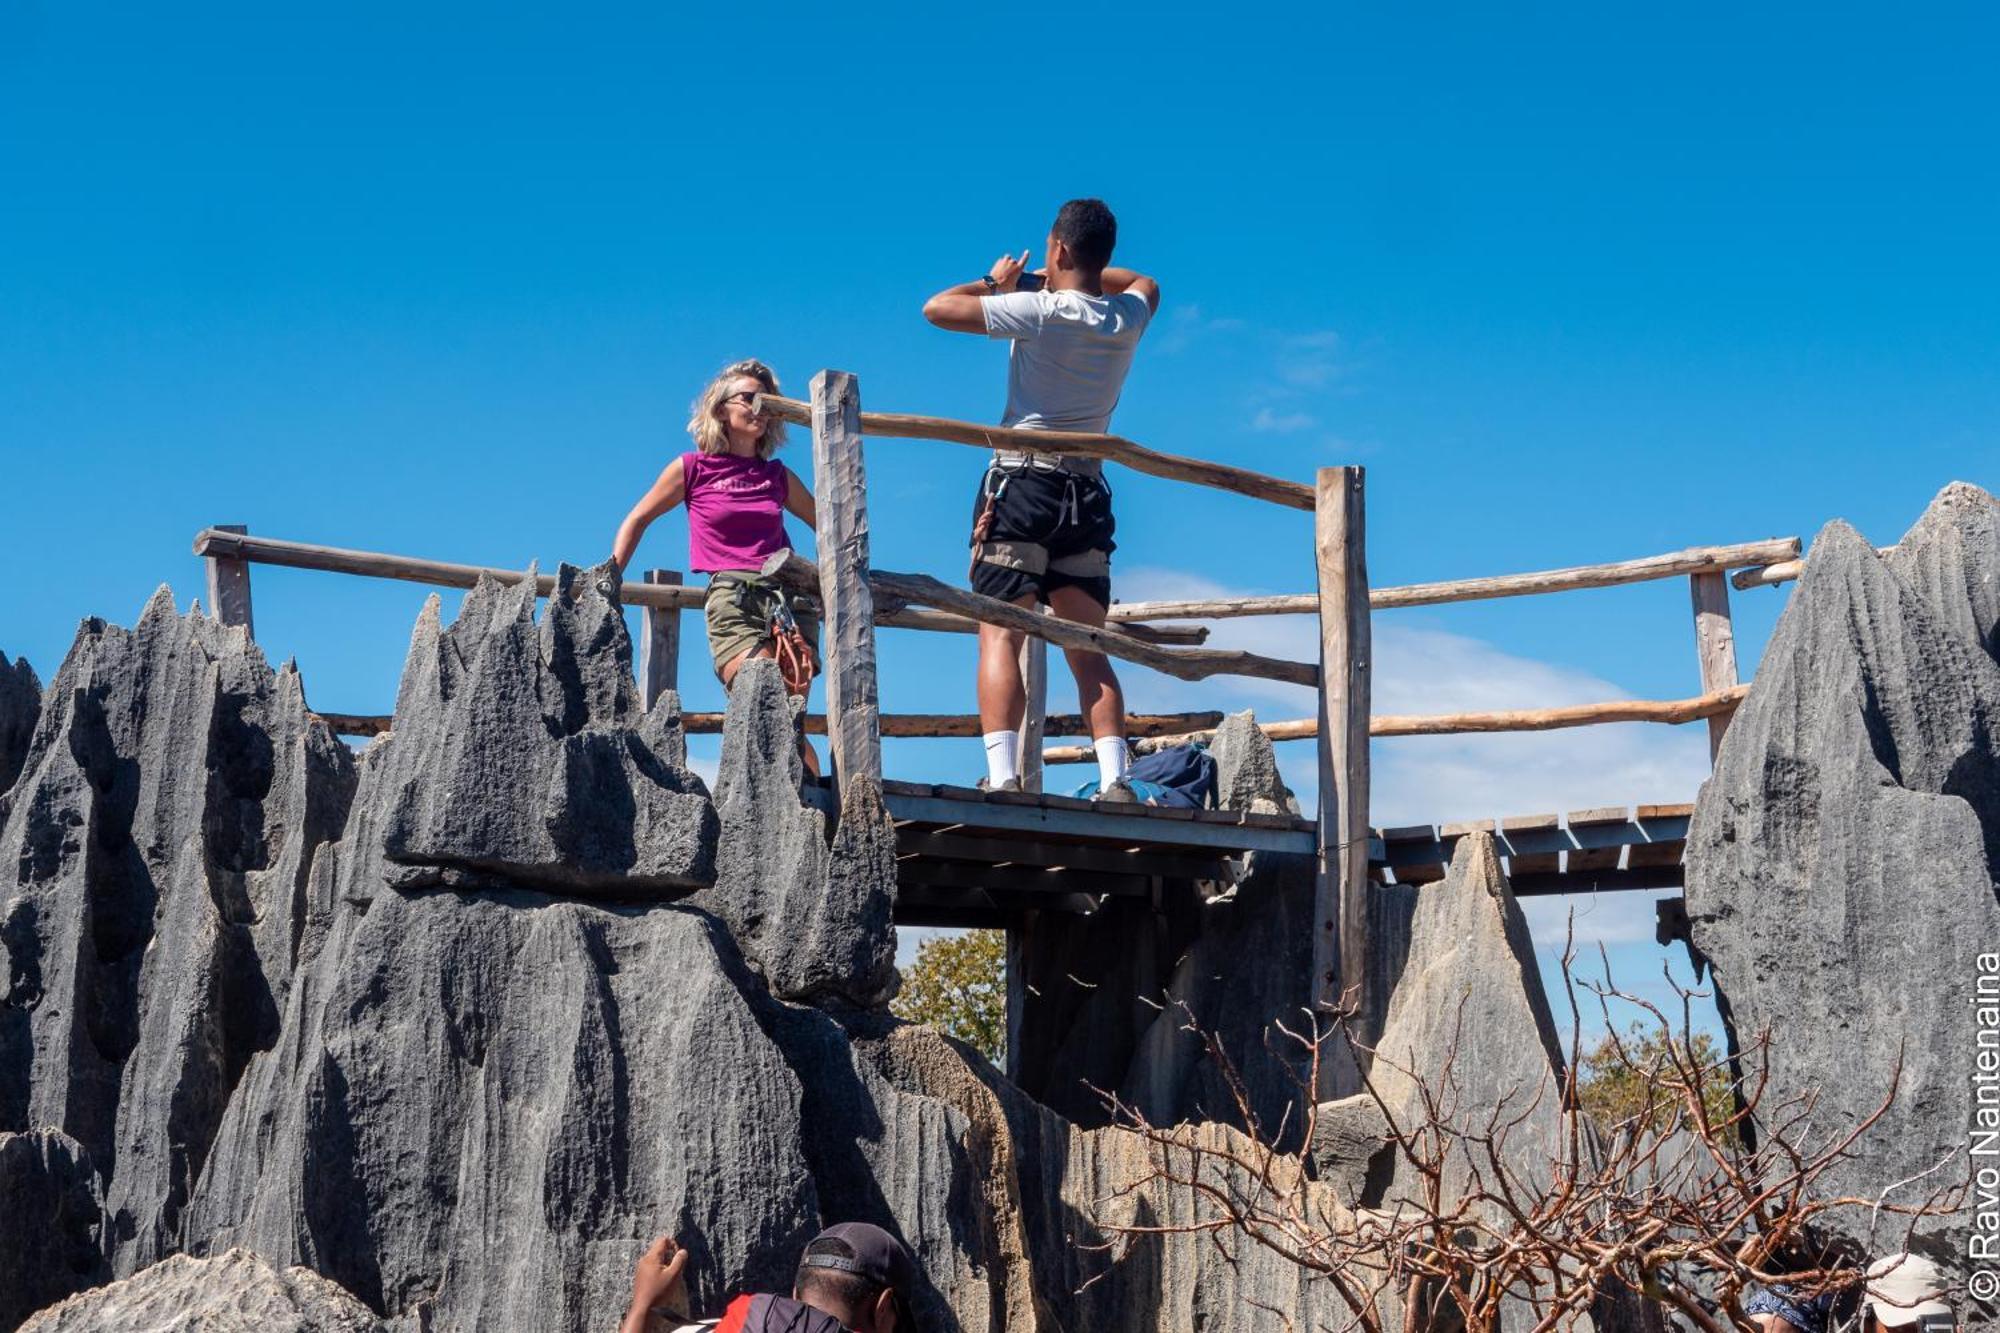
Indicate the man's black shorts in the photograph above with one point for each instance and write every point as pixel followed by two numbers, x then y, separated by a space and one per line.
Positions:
pixel 1048 528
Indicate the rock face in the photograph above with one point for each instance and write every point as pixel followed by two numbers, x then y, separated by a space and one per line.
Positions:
pixel 1842 862
pixel 815 920
pixel 48 1228
pixel 1469 1018
pixel 237 1292
pixel 524 755
pixel 153 860
pixel 20 707
pixel 461 1024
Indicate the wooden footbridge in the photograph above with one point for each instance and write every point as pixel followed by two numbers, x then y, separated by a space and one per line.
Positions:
pixel 975 858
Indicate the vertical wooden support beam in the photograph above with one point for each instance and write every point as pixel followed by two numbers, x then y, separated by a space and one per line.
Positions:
pixel 840 493
pixel 229 586
pixel 659 642
pixel 1035 685
pixel 1340 926
pixel 1715 646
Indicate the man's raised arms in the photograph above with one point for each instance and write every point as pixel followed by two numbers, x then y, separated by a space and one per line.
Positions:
pixel 1116 280
pixel 957 308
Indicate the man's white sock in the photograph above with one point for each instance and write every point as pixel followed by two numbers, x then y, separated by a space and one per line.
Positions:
pixel 1111 761
pixel 1003 757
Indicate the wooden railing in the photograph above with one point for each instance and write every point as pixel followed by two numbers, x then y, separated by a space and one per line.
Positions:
pixel 854 598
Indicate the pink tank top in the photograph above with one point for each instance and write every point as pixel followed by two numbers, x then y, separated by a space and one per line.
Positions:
pixel 736 510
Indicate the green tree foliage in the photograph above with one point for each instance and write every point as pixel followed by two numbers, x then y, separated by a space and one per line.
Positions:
pixel 1639 1076
pixel 958 985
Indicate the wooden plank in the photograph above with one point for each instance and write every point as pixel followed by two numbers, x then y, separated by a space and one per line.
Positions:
pixel 1137 825
pixel 1591 859
pixel 1020 879
pixel 1715 560
pixel 1665 830
pixel 1644 854
pixel 227 543
pixel 1715 648
pixel 1184 663
pixel 229 585
pixel 1784 571
pixel 1673 711
pixel 659 642
pixel 1201 864
pixel 356 724
pixel 1415 853
pixel 1598 881
pixel 1522 862
pixel 1072 444
pixel 967 724
pixel 1034 660
pixel 1340 926
pixel 840 481
pixel 933 905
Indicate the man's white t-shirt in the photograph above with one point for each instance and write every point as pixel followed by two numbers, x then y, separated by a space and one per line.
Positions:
pixel 1068 361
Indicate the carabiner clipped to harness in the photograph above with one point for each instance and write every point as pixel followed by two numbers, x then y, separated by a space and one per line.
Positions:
pixel 791 648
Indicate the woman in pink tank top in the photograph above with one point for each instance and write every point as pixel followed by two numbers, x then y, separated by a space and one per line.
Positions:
pixel 737 496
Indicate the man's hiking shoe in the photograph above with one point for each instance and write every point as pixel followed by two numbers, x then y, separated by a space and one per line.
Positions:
pixel 1117 793
pixel 1011 784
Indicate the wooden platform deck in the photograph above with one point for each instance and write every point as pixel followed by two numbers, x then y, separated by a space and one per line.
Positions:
pixel 973 858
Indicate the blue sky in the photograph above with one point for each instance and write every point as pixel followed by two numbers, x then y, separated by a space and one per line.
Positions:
pixel 1574 283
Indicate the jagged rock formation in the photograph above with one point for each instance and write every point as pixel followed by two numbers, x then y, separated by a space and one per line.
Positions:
pixel 461 1024
pixel 1469 1019
pixel 153 857
pixel 237 1292
pixel 1842 862
pixel 49 1224
pixel 813 919
pixel 20 708
pixel 523 754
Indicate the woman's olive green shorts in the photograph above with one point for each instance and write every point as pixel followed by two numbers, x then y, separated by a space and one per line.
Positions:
pixel 739 610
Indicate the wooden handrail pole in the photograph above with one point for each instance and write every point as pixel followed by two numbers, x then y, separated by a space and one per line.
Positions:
pixel 659 642
pixel 1340 926
pixel 847 604
pixel 1715 648
pixel 1075 444
pixel 1034 717
pixel 229 585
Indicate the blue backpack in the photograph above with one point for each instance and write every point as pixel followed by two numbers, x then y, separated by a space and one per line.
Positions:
pixel 1184 775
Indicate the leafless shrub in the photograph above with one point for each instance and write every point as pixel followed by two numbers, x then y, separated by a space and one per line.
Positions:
pixel 1686 1208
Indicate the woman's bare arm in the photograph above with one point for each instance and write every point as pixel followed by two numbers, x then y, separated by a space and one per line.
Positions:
pixel 799 501
pixel 667 492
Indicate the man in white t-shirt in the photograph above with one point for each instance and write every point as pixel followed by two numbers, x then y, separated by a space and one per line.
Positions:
pixel 1042 529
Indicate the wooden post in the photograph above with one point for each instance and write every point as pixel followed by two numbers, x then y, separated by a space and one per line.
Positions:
pixel 660 642
pixel 840 492
pixel 1340 927
pixel 1715 646
pixel 229 586
pixel 1035 684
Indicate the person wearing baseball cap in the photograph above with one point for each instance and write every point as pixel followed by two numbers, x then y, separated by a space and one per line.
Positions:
pixel 853 1278
pixel 1907 1291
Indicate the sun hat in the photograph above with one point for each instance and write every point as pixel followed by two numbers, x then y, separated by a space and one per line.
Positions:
pixel 1903 1288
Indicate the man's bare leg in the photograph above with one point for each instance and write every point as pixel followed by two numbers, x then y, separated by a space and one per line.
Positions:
pixel 1002 700
pixel 1098 695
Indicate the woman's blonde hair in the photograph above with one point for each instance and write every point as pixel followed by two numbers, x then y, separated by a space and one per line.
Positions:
pixel 705 419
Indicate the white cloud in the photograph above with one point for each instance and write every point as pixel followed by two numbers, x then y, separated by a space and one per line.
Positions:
pixel 1187 325
pixel 1311 360
pixel 1281 423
